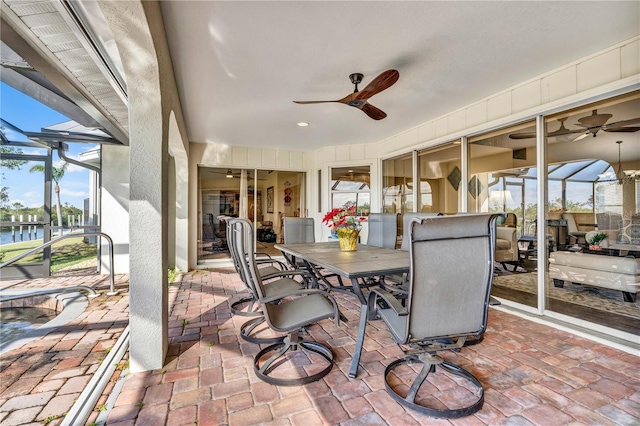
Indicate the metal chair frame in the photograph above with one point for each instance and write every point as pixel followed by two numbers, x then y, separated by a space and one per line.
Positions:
pixel 284 312
pixel 444 308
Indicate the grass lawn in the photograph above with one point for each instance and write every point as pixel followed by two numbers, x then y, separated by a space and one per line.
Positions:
pixel 64 253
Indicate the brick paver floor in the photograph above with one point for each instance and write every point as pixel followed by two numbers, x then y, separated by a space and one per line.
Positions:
pixel 532 374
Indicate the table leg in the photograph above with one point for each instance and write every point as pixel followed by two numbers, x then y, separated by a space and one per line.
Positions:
pixel 355 286
pixel 312 271
pixel 355 361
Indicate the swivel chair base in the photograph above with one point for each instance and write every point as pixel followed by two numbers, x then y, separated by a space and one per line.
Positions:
pixel 429 363
pixel 275 356
pixel 238 307
pixel 250 331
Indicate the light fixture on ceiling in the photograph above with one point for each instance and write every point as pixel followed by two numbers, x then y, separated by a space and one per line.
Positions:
pixel 303 124
pixel 229 173
pixel 621 177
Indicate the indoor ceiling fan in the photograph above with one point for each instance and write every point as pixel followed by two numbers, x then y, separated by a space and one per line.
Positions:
pixel 359 99
pixel 231 174
pixel 591 125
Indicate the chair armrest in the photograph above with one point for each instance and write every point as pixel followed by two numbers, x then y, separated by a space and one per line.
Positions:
pixel 288 274
pixel 389 299
pixel 281 265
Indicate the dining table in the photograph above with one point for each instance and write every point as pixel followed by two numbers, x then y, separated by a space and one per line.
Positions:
pixel 358 266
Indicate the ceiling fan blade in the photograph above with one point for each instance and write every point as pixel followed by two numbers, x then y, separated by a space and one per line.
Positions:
pixel 622 129
pixel 373 112
pixel 380 83
pixel 563 131
pixel 620 126
pixel 526 135
pixel 582 136
pixel 313 102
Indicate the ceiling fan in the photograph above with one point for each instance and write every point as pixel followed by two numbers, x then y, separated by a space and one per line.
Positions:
pixel 230 174
pixel 591 125
pixel 359 99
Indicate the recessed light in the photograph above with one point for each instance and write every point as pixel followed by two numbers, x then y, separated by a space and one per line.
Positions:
pixel 303 124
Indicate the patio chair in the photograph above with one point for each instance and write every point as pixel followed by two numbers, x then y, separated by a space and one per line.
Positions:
pixel 445 306
pixel 572 228
pixel 300 230
pixel 395 282
pixel 383 230
pixel 286 312
pixel 248 306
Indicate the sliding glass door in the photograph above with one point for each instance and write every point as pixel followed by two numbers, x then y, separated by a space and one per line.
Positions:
pixel 262 196
pixel 502 178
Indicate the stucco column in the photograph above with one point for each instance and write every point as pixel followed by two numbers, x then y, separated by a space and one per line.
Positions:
pixel 137 27
pixel 114 216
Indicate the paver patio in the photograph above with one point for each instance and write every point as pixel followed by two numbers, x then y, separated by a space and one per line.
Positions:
pixel 533 374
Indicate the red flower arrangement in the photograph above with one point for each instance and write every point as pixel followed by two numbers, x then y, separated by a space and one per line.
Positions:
pixel 344 220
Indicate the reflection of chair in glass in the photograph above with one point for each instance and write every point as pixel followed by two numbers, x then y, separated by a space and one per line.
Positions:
pixel 445 306
pixel 247 306
pixel 572 228
pixel 287 308
pixel 383 230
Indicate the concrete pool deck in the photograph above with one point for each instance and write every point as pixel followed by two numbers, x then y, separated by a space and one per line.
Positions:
pixel 533 374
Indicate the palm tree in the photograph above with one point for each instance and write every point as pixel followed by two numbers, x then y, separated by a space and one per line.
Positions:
pixel 57 173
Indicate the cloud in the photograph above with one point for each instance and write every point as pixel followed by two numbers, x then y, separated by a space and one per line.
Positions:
pixel 32 194
pixel 70 193
pixel 71 168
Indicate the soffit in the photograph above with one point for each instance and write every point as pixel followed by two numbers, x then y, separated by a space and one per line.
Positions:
pixel 48 40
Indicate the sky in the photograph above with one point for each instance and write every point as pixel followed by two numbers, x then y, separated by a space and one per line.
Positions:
pixel 27 187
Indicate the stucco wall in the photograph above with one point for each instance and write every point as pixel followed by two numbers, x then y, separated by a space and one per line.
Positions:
pixel 115 201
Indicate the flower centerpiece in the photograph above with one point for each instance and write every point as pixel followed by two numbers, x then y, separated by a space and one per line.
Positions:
pixel 595 240
pixel 346 225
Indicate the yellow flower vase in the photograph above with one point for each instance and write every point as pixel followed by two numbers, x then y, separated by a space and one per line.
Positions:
pixel 348 239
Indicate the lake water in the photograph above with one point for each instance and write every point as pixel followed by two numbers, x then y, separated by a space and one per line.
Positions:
pixel 6 238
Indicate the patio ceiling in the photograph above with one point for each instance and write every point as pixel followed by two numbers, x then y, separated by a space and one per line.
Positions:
pixel 239 65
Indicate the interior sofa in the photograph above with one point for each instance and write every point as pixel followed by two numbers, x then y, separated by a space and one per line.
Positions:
pixel 612 272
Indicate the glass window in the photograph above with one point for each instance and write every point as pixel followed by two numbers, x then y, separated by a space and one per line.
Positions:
pixel 502 178
pixel 397 184
pixel 350 186
pixel 592 158
pixel 440 177
pixel 608 198
pixel 579 197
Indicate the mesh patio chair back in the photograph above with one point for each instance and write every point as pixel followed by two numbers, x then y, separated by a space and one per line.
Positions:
pixel 383 230
pixel 298 230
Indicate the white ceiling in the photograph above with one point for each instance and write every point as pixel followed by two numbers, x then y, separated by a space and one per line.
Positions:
pixel 239 65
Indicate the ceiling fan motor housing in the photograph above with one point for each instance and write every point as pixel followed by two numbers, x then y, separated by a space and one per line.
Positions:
pixel 356 78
